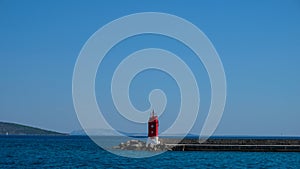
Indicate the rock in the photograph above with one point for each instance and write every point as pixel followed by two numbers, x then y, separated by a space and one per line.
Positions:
pixel 140 145
pixel 134 141
pixel 116 147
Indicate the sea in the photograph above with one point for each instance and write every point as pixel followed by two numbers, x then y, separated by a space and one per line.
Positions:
pixel 82 152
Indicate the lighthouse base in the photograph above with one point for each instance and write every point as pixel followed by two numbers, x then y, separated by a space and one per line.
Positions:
pixel 152 141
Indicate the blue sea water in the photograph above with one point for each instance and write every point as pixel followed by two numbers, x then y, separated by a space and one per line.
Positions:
pixel 81 152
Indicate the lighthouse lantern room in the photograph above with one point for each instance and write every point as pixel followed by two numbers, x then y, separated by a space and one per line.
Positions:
pixel 153 130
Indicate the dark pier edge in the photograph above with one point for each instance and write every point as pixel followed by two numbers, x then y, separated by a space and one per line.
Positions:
pixel 244 148
pixel 236 144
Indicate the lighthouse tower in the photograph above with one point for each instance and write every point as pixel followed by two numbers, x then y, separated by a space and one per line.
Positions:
pixel 152 130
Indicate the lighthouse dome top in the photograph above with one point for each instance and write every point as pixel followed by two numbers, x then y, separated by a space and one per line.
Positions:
pixel 153 117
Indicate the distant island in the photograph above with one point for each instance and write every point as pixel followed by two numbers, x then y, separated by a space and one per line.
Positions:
pixel 18 129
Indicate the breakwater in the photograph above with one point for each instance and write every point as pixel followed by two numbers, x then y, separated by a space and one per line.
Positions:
pixel 242 144
pixel 247 145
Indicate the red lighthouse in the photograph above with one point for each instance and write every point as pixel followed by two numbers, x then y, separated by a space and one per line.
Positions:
pixel 153 129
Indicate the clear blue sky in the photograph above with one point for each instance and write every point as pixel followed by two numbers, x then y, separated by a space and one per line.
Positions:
pixel 257 41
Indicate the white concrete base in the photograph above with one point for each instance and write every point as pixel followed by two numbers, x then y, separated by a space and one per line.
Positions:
pixel 152 141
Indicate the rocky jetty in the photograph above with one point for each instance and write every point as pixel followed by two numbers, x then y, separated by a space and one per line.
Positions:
pixel 223 144
pixel 140 145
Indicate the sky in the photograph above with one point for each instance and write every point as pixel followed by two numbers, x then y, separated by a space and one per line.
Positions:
pixel 257 42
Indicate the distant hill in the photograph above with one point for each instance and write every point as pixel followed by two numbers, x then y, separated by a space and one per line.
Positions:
pixel 95 132
pixel 18 129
